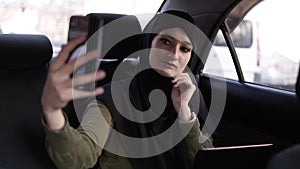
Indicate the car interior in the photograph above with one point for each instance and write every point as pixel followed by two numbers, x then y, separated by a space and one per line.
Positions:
pixel 257 122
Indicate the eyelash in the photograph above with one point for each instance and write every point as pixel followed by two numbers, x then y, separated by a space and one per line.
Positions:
pixel 185 49
pixel 165 41
pixel 168 42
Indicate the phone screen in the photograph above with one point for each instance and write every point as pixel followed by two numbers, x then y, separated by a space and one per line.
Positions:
pixel 95 42
pixel 78 26
pixel 89 26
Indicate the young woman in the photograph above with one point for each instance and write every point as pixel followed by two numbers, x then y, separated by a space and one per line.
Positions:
pixel 171 41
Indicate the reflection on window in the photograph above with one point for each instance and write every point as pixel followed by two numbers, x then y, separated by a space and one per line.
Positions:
pixel 241 36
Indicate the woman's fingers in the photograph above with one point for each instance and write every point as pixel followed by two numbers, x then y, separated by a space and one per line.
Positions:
pixel 182 78
pixel 84 79
pixel 57 94
pixel 71 66
pixel 76 94
pixel 58 90
pixel 182 93
pixel 65 52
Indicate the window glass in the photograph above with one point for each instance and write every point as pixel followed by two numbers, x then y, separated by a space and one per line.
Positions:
pixel 272 59
pixel 241 36
pixel 266 44
pixel 219 61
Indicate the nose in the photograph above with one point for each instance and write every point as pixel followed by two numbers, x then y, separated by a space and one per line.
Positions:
pixel 175 52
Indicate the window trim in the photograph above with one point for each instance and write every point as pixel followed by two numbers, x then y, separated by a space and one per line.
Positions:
pixel 225 31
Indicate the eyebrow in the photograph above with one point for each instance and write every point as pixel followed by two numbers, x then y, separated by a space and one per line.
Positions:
pixel 185 42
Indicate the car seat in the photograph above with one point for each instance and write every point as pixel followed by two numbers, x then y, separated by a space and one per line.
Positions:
pixel 23 70
pixel 288 158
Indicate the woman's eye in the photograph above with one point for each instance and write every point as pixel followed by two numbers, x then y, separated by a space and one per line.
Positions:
pixel 165 41
pixel 185 49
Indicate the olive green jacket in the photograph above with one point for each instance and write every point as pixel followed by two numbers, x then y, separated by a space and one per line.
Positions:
pixel 80 148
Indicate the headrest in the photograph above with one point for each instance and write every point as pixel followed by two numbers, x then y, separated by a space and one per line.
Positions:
pixel 24 52
pixel 121 34
pixel 107 17
pixel 118 25
pixel 121 39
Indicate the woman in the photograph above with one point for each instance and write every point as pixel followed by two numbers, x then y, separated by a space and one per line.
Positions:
pixel 161 67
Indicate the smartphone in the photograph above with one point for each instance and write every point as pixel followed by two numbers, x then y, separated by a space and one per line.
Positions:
pixel 89 26
pixel 95 42
pixel 78 25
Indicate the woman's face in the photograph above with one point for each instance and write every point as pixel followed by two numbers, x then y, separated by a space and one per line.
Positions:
pixel 170 52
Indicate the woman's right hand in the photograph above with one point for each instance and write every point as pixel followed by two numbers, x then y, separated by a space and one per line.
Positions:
pixel 60 88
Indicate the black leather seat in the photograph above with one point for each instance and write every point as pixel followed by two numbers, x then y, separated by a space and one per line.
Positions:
pixel 286 159
pixel 290 157
pixel 23 70
pixel 121 39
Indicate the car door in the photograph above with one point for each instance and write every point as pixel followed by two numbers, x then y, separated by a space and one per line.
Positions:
pixel 254 111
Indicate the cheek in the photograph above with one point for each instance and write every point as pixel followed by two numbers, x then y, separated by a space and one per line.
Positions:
pixel 154 58
pixel 183 63
pixel 156 54
pixel 185 60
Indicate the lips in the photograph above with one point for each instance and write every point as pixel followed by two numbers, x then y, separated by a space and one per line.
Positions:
pixel 168 64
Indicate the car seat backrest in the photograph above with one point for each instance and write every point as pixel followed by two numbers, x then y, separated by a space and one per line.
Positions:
pixel 24 52
pixel 121 39
pixel 23 70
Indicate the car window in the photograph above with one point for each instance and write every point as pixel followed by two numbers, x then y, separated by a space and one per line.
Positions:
pixel 265 43
pixel 51 17
pixel 275 37
pixel 219 62
pixel 241 36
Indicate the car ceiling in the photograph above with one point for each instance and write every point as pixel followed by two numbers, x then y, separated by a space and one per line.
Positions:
pixel 209 14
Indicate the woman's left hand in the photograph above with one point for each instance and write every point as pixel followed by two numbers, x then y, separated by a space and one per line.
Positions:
pixel 183 90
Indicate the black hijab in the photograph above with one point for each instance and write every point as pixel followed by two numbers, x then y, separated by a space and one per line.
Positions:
pixel 140 87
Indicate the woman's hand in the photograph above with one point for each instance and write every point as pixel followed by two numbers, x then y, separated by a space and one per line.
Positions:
pixel 182 93
pixel 59 87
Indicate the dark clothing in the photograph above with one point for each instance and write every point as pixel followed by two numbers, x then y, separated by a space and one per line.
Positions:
pixel 70 148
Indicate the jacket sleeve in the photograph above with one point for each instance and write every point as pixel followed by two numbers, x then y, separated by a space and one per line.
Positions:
pixel 80 148
pixel 195 140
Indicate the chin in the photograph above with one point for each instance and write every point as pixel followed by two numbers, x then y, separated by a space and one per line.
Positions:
pixel 165 73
